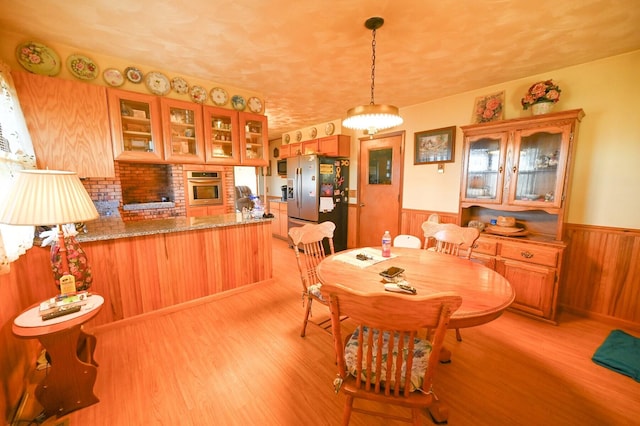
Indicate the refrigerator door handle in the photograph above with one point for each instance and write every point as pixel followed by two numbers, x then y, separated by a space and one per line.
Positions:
pixel 298 186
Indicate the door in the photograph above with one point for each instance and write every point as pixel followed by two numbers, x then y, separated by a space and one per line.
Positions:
pixel 380 186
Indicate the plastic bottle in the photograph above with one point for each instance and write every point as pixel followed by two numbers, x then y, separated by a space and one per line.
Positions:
pixel 386 244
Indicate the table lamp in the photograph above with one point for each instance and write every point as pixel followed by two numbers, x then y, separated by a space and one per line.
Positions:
pixel 49 197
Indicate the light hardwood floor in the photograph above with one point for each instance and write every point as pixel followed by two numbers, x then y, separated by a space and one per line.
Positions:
pixel 239 360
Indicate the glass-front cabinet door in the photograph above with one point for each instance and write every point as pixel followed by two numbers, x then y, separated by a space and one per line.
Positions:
pixel 539 167
pixel 182 131
pixel 484 168
pixel 253 139
pixel 135 126
pixel 221 135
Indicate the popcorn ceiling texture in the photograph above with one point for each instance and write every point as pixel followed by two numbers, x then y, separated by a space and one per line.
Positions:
pixel 311 59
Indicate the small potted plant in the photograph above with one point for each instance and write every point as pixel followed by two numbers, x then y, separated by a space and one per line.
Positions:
pixel 541 96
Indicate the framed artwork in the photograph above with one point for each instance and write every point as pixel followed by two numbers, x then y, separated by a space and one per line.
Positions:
pixel 488 108
pixel 435 146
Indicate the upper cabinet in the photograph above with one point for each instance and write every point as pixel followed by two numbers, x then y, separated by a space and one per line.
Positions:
pixel 221 135
pixel 330 146
pixel 253 139
pixel 182 130
pixel 68 122
pixel 520 165
pixel 136 126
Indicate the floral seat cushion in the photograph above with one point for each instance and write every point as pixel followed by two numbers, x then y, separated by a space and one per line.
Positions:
pixel 421 349
pixel 315 290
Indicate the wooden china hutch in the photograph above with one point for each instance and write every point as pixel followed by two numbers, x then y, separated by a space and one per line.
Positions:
pixel 521 168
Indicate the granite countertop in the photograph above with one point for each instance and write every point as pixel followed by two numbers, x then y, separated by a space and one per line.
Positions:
pixel 113 228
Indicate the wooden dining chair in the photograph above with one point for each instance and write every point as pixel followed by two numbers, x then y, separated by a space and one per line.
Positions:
pixel 389 324
pixel 456 241
pixel 409 241
pixel 311 244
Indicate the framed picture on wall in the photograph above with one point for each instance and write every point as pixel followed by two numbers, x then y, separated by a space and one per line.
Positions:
pixel 488 108
pixel 435 146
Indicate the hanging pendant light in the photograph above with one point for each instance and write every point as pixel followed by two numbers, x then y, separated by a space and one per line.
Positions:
pixel 373 117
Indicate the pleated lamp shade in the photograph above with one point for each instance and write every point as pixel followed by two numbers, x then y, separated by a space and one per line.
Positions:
pixel 47 197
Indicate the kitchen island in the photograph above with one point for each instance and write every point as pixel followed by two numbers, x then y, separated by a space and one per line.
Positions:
pixel 143 266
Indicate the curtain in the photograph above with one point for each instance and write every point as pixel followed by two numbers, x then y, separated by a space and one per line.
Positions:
pixel 16 153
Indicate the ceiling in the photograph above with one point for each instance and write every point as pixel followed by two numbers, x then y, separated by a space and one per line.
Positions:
pixel 311 59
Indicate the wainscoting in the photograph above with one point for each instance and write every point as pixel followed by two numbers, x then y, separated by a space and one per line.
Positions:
pixel 600 272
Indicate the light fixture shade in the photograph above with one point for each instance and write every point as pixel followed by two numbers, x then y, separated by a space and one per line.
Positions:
pixel 372 117
pixel 47 197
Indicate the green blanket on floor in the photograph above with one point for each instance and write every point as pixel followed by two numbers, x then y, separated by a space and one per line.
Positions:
pixel 620 352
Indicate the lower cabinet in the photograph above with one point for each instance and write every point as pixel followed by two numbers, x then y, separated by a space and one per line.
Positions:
pixel 205 211
pixel 280 219
pixel 532 268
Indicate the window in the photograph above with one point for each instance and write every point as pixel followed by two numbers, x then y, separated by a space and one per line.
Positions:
pixel 16 153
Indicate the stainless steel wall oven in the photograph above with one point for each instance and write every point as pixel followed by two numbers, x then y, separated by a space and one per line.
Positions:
pixel 204 188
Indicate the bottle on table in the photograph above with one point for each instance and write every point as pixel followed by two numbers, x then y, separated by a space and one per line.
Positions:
pixel 386 244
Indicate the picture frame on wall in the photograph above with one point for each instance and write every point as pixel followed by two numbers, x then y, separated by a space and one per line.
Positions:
pixel 435 146
pixel 488 108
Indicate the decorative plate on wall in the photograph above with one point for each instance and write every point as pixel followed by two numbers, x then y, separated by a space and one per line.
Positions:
pixel 179 85
pixel 329 129
pixel 157 83
pixel 238 103
pixel 133 74
pixel 313 133
pixel 255 104
pixel 298 136
pixel 82 67
pixel 219 96
pixel 38 58
pixel 113 77
pixel 287 138
pixel 198 94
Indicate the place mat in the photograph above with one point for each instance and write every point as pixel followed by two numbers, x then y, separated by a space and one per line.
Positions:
pixel 620 352
pixel 373 256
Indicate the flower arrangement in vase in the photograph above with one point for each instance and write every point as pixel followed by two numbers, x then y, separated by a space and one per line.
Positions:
pixel 541 92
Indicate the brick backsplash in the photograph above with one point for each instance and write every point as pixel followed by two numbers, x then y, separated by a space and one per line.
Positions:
pixel 136 183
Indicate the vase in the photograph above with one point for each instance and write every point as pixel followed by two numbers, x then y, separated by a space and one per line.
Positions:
pixel 541 108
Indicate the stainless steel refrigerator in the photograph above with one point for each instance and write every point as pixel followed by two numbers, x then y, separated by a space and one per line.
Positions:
pixel 317 191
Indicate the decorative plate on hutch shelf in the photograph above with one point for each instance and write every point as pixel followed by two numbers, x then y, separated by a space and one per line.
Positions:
pixel 238 103
pixel 255 104
pixel 38 58
pixel 157 83
pixel 133 74
pixel 198 94
pixel 113 77
pixel 219 96
pixel 82 67
pixel 179 85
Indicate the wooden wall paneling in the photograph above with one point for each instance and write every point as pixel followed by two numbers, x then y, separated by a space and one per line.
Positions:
pixel 602 273
pixel 411 220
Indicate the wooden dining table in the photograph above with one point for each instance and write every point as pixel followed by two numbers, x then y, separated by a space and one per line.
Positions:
pixel 485 293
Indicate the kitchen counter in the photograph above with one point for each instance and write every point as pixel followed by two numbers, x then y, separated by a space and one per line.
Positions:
pixel 114 228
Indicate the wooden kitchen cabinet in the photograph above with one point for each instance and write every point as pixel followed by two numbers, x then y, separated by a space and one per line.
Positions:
pixel 136 126
pixel 68 122
pixel 280 218
pixel 330 146
pixel 182 130
pixel 532 269
pixel 521 168
pixel 221 135
pixel 253 139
